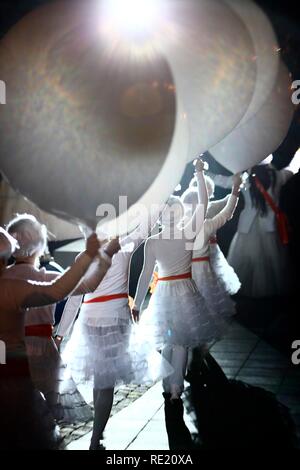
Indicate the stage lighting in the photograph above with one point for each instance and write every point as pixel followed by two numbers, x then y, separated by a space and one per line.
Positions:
pixel 132 17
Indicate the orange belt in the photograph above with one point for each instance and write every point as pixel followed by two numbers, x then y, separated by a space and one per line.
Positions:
pixel 170 278
pixel 175 278
pixel 199 260
pixel 106 298
pixel 44 331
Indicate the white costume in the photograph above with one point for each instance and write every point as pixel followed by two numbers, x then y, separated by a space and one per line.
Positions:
pixel 204 276
pixel 102 345
pixel 177 317
pixel 219 264
pixel 25 419
pixel 256 252
pixel 47 369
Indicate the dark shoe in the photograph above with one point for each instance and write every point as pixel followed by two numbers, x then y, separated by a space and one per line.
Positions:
pixel 178 434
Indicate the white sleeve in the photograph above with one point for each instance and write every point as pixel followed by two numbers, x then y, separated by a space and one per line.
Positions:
pixel 94 275
pixel 69 314
pixel 146 274
pixel 214 207
pixel 195 223
pixel 226 214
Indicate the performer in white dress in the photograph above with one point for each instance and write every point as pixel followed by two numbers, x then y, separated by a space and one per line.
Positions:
pixel 219 264
pixel 47 370
pixel 177 317
pixel 25 419
pixel 207 282
pixel 257 254
pixel 102 345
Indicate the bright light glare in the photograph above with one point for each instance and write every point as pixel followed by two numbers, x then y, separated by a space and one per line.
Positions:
pixel 132 16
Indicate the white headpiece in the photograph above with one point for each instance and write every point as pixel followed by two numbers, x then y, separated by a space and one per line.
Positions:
pixel 8 244
pixel 30 234
pixel 173 212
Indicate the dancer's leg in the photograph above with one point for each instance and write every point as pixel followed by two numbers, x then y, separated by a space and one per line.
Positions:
pixel 179 436
pixel 179 363
pixel 103 401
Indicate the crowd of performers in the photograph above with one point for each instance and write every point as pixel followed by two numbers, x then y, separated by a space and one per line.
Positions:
pixel 107 340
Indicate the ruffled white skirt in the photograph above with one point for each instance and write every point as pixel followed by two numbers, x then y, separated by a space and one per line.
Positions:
pixel 50 376
pixel 223 271
pixel 218 300
pixel 113 354
pixel 261 262
pixel 177 314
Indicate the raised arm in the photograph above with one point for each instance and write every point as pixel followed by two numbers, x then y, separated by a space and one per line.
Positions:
pixel 28 294
pixel 220 219
pixel 98 269
pixel 214 207
pixel 146 275
pixel 195 223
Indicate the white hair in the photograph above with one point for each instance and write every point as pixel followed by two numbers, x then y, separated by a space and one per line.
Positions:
pixel 8 244
pixel 30 234
pixel 173 212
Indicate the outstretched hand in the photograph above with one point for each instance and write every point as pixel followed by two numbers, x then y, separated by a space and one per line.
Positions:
pixel 135 315
pixel 93 246
pixel 112 247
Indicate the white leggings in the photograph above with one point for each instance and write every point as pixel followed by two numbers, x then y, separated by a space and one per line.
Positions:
pixel 177 356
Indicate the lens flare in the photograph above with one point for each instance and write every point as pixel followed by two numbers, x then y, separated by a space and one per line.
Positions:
pixel 132 16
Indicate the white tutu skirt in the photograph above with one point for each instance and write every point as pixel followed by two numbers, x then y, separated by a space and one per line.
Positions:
pixel 106 356
pixel 50 376
pixel 224 272
pixel 218 300
pixel 178 315
pixel 261 262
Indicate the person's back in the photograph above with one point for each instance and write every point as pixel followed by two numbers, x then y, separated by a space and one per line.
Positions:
pixel 173 256
pixel 34 316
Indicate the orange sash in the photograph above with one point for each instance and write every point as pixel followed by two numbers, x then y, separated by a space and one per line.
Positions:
pixel 106 298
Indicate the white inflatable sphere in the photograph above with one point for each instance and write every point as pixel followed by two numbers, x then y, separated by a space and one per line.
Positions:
pixel 87 121
pixel 212 57
pixel 266 51
pixel 261 135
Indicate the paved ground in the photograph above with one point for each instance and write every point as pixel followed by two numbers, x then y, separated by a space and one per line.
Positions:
pixel 139 424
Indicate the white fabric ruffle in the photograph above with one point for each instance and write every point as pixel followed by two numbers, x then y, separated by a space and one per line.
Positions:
pixel 177 314
pixel 218 300
pixel 261 262
pixel 223 271
pixel 112 354
pixel 50 376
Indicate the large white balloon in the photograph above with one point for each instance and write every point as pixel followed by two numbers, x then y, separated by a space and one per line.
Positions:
pixel 87 119
pixel 261 135
pixel 266 52
pixel 213 59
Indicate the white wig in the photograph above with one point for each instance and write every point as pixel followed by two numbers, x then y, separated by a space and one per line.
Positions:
pixel 173 212
pixel 8 244
pixel 30 234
